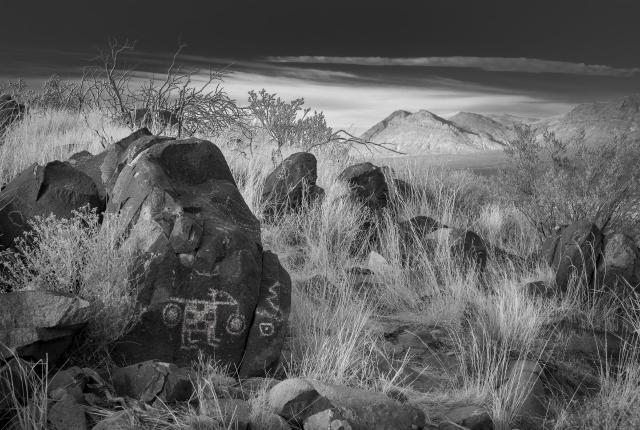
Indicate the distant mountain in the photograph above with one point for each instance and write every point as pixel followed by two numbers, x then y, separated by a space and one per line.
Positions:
pixel 425 132
pixel 600 121
pixel 484 126
pixel 510 120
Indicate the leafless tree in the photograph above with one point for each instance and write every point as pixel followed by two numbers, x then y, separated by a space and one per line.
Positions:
pixel 177 103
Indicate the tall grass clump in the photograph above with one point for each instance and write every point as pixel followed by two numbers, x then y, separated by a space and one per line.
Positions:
pixel 23 387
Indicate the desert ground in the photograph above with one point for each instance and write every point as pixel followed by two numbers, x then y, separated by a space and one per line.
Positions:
pixel 456 321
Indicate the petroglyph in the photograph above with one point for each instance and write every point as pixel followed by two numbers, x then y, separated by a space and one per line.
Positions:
pixel 202 319
pixel 271 312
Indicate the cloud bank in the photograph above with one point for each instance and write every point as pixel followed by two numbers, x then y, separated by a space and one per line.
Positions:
pixel 491 64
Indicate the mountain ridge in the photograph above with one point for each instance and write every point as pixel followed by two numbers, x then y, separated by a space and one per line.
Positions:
pixel 424 132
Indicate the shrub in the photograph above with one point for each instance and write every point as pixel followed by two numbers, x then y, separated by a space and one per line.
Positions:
pixel 78 256
pixel 554 182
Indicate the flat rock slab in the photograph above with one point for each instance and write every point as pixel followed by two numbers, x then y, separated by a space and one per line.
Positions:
pixel 37 323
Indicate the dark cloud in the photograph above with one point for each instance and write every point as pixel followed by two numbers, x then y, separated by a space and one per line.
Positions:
pixel 578 31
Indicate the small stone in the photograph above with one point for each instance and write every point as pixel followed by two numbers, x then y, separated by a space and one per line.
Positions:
pixel 377 263
pixel 471 417
pixel 296 399
pixel 142 381
pixel 329 419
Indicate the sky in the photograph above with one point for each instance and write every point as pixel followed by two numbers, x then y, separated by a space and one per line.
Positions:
pixel 357 61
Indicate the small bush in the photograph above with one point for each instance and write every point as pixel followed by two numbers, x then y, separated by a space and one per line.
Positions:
pixel 554 182
pixel 77 256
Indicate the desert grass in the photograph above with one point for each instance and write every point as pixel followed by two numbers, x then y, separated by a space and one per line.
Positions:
pixel 49 134
pixel 488 320
pixel 24 392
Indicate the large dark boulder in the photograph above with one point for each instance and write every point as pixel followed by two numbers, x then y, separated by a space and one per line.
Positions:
pixel 205 285
pixel 574 251
pixel 56 188
pixel 368 185
pixel 36 325
pixel 10 111
pixel 291 185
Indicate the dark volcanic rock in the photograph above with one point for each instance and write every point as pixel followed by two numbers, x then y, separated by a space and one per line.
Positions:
pixel 269 323
pixel 465 245
pixel 104 167
pixel 291 184
pixel 619 269
pixel 368 185
pixel 56 188
pixel 37 324
pixel 574 251
pixel 201 282
pixel 150 379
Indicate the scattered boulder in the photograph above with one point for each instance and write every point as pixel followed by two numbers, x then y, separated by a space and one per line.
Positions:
pixel 150 379
pixel 36 325
pixel 619 268
pixel 203 279
pixel 10 111
pixel 368 410
pixel 574 251
pixel 296 400
pixel 368 185
pixel 291 185
pixel 56 188
pixel 464 244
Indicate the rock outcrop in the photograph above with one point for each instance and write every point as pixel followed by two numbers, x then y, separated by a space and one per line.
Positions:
pixel 205 285
pixel 37 325
pixel 291 185
pixel 56 188
pixel 574 251
pixel 368 185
